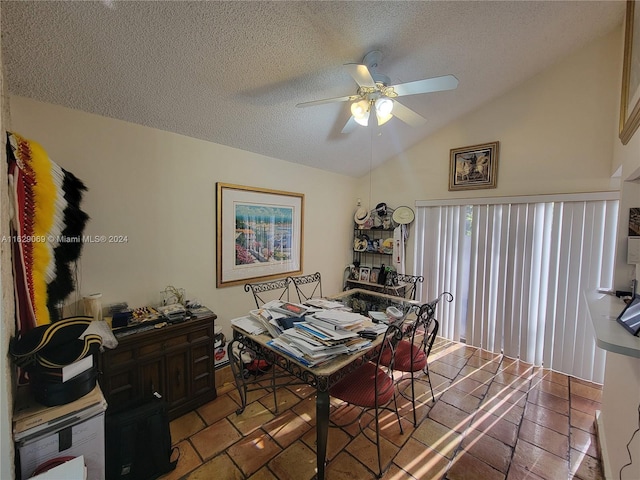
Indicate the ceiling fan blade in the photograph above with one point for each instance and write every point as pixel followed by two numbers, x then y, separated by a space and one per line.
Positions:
pixel 360 74
pixel 435 84
pixel 327 100
pixel 407 115
pixel 350 125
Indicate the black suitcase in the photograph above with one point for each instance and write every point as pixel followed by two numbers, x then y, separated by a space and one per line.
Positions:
pixel 138 442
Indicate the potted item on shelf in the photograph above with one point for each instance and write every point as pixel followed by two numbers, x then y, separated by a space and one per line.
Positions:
pixel 382 276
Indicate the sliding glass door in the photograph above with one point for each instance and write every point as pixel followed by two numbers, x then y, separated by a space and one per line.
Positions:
pixel 517 268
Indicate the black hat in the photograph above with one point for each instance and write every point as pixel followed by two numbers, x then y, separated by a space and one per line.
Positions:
pixel 56 344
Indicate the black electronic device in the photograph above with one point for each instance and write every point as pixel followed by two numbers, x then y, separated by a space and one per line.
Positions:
pixel 629 318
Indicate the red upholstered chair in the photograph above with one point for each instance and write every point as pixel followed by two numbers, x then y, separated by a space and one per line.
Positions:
pixel 412 354
pixel 372 385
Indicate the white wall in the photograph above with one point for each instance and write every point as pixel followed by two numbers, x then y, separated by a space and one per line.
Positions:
pixel 621 390
pixel 158 189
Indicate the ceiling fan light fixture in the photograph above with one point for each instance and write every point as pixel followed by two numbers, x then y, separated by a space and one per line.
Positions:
pixel 384 106
pixel 363 119
pixel 360 108
pixel 360 112
pixel 382 119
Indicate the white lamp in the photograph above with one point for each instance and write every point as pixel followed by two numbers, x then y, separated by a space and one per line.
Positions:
pixel 360 112
pixel 384 105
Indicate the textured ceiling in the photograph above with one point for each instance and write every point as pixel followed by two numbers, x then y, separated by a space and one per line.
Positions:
pixel 232 72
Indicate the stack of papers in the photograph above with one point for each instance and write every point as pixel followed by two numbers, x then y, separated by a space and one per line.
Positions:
pixel 324 304
pixel 286 308
pixel 249 325
pixel 295 343
pixel 341 319
pixel 313 337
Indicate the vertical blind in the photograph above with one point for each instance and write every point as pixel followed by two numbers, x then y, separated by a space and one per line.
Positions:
pixel 517 268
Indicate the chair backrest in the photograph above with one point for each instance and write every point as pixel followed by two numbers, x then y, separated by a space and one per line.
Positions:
pixel 425 329
pixel 308 286
pixel 423 333
pixel 386 358
pixel 264 292
pixel 412 283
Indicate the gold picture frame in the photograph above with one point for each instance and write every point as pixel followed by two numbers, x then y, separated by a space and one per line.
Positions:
pixel 474 167
pixel 259 234
pixel 630 94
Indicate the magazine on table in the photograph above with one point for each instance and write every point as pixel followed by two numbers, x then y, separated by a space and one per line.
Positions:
pixel 266 318
pixel 323 303
pixel 288 308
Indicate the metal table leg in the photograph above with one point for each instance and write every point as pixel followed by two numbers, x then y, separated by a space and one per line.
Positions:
pixel 322 429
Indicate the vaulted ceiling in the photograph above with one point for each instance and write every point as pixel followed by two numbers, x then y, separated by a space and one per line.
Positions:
pixel 233 72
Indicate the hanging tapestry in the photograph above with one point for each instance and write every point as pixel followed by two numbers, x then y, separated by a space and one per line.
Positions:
pixel 47 225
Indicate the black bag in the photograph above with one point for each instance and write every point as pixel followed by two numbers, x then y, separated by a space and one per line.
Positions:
pixel 138 442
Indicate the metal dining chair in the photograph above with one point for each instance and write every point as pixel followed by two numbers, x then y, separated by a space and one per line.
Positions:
pixel 307 286
pixel 411 285
pixel 264 292
pixel 372 386
pixel 244 361
pixel 412 355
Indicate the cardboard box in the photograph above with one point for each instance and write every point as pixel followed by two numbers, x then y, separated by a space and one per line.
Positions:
pixel 77 430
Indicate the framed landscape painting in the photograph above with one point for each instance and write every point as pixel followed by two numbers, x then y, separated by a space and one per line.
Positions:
pixel 259 234
pixel 474 167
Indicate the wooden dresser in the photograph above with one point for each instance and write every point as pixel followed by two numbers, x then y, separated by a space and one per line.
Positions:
pixel 177 361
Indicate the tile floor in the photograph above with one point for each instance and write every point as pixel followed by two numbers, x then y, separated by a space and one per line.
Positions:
pixel 493 418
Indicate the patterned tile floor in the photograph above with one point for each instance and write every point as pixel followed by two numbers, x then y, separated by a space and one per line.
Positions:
pixel 494 418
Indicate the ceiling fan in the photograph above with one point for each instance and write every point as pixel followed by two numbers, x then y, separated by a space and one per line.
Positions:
pixel 375 94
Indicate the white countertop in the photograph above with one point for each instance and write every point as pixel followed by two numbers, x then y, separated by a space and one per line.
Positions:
pixel 610 335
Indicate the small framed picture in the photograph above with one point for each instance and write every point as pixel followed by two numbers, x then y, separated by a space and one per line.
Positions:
pixel 634 222
pixel 373 276
pixel 365 273
pixel 474 167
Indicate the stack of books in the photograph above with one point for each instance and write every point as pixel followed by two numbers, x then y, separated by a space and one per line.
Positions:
pixel 324 335
pixel 311 335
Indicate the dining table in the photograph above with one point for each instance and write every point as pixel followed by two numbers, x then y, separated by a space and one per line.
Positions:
pixel 321 377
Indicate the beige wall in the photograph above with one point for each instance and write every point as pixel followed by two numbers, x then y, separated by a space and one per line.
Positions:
pixel 158 189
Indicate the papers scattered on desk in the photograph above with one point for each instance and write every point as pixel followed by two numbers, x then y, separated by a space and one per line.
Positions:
pixel 287 308
pixel 249 325
pixel 294 343
pixel 340 317
pixel 324 304
pixel 311 339
pixel 268 320
pixel 328 336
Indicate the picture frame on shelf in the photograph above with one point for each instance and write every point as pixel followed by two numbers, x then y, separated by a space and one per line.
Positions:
pixel 259 234
pixel 373 275
pixel 474 167
pixel 365 273
pixel 630 92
